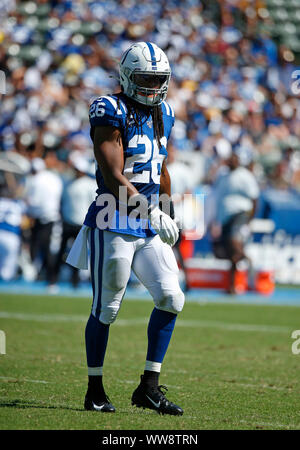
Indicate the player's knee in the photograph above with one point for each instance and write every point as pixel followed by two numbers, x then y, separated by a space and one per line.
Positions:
pixel 117 273
pixel 171 302
pixel 109 314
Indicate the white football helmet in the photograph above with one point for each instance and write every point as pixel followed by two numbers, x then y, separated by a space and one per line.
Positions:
pixel 145 73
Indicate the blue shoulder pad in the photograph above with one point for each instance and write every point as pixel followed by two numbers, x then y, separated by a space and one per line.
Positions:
pixel 106 111
pixel 168 117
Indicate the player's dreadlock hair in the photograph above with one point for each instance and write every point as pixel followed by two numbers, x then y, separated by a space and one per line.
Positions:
pixel 134 114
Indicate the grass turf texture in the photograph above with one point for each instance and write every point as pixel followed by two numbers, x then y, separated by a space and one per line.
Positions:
pixel 229 366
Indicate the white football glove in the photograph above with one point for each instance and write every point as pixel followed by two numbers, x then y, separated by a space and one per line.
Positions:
pixel 164 226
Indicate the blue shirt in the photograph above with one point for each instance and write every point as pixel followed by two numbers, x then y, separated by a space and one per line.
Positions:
pixel 143 161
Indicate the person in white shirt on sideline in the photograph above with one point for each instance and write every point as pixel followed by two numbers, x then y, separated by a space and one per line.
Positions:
pixel 77 196
pixel 12 211
pixel 236 194
pixel 43 195
pixel 182 183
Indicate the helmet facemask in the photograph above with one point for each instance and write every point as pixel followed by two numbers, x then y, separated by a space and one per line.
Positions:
pixel 150 88
pixel 145 77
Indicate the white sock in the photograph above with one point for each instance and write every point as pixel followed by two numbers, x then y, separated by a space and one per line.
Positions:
pixel 95 371
pixel 152 366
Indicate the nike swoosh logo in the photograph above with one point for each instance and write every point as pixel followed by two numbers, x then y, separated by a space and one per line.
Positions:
pixel 97 408
pixel 157 405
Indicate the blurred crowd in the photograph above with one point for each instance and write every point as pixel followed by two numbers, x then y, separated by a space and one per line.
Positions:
pixel 231 89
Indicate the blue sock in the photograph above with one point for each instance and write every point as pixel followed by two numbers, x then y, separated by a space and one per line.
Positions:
pixel 96 337
pixel 160 329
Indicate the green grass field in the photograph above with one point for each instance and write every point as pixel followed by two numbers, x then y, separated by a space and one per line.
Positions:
pixel 229 366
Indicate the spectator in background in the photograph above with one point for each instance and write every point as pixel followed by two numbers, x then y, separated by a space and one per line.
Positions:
pixel 43 195
pixel 12 211
pixel 236 195
pixel 77 196
pixel 182 182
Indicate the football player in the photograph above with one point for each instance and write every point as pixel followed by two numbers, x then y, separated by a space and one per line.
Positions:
pixel 130 131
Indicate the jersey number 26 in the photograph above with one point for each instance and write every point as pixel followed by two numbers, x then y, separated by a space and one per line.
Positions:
pixel 146 162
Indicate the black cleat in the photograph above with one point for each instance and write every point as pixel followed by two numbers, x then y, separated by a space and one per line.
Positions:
pixel 153 398
pixel 96 404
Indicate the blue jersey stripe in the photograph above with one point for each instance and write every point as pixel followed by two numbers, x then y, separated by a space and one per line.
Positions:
pixel 152 54
pixel 100 271
pixel 8 227
pixel 92 262
pixel 97 255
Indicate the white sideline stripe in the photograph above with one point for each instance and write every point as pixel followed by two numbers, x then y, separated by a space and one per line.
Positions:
pixel 270 424
pixel 43 317
pixel 233 326
pixel 262 386
pixel 141 321
pixel 24 380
